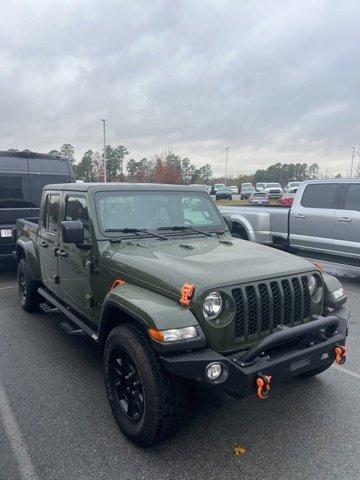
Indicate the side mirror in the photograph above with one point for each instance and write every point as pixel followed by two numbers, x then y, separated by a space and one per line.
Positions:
pixel 228 222
pixel 72 231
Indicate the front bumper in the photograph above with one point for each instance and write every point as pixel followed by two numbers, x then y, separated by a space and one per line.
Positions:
pixel 287 353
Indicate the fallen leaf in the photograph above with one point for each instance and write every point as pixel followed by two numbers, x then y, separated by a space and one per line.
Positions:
pixel 239 450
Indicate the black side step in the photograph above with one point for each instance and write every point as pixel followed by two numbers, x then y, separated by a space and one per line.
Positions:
pixel 47 309
pixel 70 329
pixel 71 315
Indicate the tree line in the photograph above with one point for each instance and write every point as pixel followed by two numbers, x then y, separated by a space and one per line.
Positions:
pixel 171 168
pixel 164 168
pixel 282 173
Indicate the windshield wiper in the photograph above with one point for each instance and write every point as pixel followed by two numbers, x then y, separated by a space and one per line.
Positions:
pixel 135 230
pixel 186 228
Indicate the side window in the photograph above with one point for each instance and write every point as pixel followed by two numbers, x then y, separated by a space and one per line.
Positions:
pixel 352 200
pixel 76 209
pixel 320 195
pixel 51 213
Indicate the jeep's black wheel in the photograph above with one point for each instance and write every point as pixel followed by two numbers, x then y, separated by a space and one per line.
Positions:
pixel 27 287
pixel 316 371
pixel 147 401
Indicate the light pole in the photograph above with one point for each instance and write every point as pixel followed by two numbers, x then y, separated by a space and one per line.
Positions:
pixel 104 151
pixel 352 161
pixel 226 162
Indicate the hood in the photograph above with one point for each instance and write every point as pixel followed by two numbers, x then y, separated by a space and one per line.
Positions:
pixel 205 262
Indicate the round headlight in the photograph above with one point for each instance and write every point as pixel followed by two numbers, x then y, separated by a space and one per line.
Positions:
pixel 313 284
pixel 315 288
pixel 212 305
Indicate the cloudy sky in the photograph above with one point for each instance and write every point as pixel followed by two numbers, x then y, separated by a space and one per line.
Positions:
pixel 273 80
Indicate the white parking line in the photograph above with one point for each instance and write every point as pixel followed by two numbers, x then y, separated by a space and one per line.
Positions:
pixel 347 372
pixel 13 433
pixel 10 286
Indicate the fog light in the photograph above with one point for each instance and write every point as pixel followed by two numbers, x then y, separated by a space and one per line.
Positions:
pixel 213 371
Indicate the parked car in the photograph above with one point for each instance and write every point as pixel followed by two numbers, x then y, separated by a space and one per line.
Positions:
pixel 223 193
pixel 287 199
pixel 217 186
pixel 291 185
pixel 234 189
pixel 274 190
pixel 152 275
pixel 246 192
pixel 259 198
pixel 323 221
pixel 22 177
pixel 260 186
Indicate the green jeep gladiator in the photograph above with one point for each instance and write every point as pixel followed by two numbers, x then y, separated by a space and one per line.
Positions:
pixel 152 273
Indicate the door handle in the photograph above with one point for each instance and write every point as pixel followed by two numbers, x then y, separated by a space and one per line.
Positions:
pixel 44 244
pixel 345 220
pixel 299 215
pixel 60 253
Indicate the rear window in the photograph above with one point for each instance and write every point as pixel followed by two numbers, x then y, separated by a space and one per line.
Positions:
pixel 13 191
pixel 323 195
pixel 13 164
pixel 48 165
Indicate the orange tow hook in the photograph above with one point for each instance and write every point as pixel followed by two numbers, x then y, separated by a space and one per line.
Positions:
pixel 263 386
pixel 340 354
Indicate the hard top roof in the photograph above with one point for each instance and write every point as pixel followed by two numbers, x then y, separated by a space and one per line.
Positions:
pixel 29 154
pixel 113 186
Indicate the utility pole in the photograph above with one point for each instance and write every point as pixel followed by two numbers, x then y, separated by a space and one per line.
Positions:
pixel 104 151
pixel 226 163
pixel 352 162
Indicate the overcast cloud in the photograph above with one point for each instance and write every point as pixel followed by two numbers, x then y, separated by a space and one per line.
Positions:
pixel 273 80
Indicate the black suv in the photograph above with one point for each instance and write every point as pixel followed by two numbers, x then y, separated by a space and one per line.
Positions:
pixel 22 177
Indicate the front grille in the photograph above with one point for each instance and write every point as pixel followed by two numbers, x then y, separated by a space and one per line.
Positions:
pixel 261 307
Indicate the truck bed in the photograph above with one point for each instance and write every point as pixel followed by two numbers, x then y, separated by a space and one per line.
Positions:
pixel 27 227
pixel 262 224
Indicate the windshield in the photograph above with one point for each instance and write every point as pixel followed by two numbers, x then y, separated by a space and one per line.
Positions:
pixel 151 210
pixel 271 185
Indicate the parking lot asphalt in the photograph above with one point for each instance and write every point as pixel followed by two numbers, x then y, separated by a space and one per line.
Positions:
pixel 55 421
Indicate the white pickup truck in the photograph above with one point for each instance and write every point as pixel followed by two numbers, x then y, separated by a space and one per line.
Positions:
pixel 323 221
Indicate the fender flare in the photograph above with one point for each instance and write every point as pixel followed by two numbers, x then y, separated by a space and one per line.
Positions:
pixel 146 308
pixel 27 246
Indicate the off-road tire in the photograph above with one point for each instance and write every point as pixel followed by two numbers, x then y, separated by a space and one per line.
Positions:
pixel 316 371
pixel 27 287
pixel 163 393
